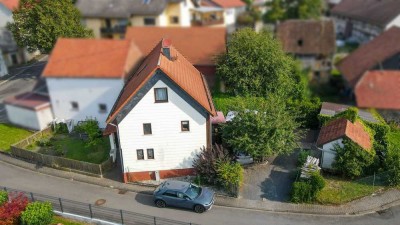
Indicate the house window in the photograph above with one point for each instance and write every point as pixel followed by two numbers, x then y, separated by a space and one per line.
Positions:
pixel 185 125
pixel 75 106
pixel 160 95
pixel 150 153
pixel 140 154
pixel 174 19
pixel 147 128
pixel 300 42
pixel 14 59
pixel 102 108
pixel 149 21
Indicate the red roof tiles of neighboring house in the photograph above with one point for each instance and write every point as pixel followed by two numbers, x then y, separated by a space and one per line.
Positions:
pixel 379 89
pixel 178 69
pixel 29 100
pixel 307 37
pixel 227 3
pixel 10 4
pixel 343 128
pixel 370 55
pixel 90 58
pixel 200 45
pixel 376 12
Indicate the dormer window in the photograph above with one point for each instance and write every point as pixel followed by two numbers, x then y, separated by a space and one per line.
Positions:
pixel 160 95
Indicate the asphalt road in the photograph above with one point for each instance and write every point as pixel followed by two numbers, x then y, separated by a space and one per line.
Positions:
pixel 18 178
pixel 22 79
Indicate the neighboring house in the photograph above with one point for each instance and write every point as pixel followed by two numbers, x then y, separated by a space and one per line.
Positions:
pixel 382 53
pixel 261 5
pixel 362 20
pixel 331 109
pixel 30 110
pixel 3 67
pixel 333 133
pixel 6 8
pixel 163 117
pixel 110 18
pixel 310 41
pixel 232 9
pixel 85 76
pixel 199 45
pixel 380 90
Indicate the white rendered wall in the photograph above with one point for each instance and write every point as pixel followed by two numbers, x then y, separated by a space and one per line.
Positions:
pixel 3 67
pixel 88 93
pixel 35 120
pixel 395 22
pixel 328 153
pixel 5 15
pixel 173 148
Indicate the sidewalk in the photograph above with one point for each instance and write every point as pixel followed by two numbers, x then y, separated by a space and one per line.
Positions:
pixel 362 206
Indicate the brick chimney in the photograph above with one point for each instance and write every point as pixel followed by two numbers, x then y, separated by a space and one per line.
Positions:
pixel 166 44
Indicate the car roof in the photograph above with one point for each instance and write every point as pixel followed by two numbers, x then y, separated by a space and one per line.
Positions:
pixel 175 185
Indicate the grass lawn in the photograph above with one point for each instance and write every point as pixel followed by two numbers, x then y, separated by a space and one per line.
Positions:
pixel 339 191
pixel 10 135
pixel 64 221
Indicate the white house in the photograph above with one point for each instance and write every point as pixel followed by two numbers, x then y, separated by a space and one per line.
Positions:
pixel 85 76
pixel 3 67
pixel 333 133
pixel 362 20
pixel 162 117
pixel 30 110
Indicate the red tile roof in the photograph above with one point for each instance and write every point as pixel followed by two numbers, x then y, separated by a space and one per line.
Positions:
pixel 379 89
pixel 29 100
pixel 369 55
pixel 178 69
pixel 91 58
pixel 109 130
pixel 317 37
pixel 228 3
pixel 200 45
pixel 10 4
pixel 376 12
pixel 343 128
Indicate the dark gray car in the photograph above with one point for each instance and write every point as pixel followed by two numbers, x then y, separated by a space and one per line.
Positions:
pixel 184 195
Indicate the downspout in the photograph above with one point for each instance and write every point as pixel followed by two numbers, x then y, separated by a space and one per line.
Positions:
pixel 120 151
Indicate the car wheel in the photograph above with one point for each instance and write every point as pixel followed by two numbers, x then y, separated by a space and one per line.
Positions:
pixel 160 204
pixel 199 209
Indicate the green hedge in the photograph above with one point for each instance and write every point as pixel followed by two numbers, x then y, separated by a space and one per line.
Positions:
pixel 37 213
pixel 3 197
pixel 306 190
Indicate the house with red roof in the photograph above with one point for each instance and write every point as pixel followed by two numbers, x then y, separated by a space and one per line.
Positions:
pixel 334 132
pixel 85 76
pixel 363 20
pixel 161 118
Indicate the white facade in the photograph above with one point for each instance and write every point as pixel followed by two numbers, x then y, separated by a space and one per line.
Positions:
pixel 29 118
pixel 88 93
pixel 3 67
pixel 230 16
pixel 5 15
pixel 173 148
pixel 329 154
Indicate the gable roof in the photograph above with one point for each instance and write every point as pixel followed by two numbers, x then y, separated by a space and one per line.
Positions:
pixel 224 3
pixel 92 58
pixel 10 4
pixel 331 109
pixel 379 89
pixel 370 55
pixel 343 128
pixel 376 12
pixel 200 45
pixel 178 69
pixel 316 37
pixel 121 8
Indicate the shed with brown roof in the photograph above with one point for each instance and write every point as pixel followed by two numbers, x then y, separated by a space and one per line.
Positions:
pixel 371 55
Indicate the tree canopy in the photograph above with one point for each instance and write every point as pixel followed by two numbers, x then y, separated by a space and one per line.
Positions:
pixel 256 65
pixel 293 9
pixel 38 24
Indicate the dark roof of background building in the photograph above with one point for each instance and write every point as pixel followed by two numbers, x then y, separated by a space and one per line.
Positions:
pixel 377 12
pixel 369 55
pixel 29 100
pixel 331 109
pixel 379 90
pixel 307 36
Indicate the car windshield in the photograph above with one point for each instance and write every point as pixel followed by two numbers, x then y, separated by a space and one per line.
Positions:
pixel 193 191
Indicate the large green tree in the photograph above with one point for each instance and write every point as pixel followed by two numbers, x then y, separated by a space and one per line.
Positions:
pixel 256 65
pixel 38 24
pixel 293 9
pixel 262 127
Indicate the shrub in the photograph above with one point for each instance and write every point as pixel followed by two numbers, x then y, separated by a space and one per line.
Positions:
pixel 60 128
pixel 3 197
pixel 230 175
pixel 37 213
pixel 317 183
pixel 43 142
pixel 205 164
pixel 91 128
pixel 309 111
pixel 302 158
pixel 11 210
pixel 306 190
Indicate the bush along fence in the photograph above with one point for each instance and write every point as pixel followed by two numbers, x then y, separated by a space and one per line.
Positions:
pixel 18 150
pixel 97 214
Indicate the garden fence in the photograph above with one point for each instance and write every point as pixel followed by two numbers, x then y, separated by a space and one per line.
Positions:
pixel 98 212
pixel 18 150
